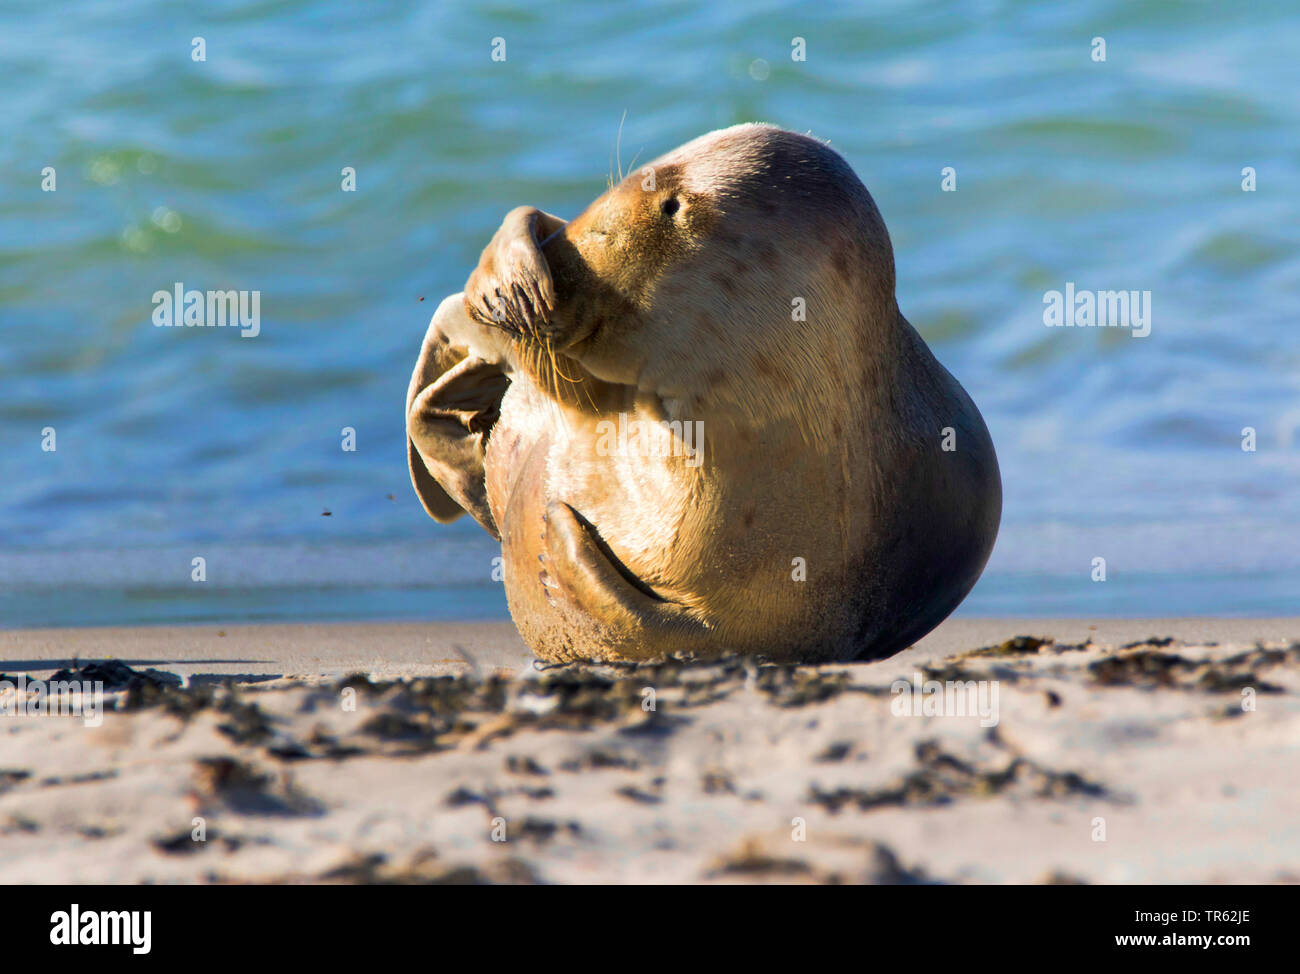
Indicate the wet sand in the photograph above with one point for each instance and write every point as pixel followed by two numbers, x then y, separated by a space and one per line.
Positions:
pixel 438 753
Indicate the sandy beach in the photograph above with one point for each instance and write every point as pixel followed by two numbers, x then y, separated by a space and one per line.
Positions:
pixel 1114 751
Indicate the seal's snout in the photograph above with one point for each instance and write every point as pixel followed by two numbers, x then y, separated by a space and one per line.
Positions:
pixel 528 276
pixel 583 298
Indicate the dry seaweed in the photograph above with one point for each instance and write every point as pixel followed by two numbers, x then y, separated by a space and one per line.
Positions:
pixel 1149 669
pixel 225 782
pixel 941 778
pixel 116 675
pixel 1015 646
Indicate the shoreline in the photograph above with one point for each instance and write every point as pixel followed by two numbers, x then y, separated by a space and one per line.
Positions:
pixel 393 650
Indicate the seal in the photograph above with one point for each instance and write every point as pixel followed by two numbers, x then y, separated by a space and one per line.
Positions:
pixel 698 423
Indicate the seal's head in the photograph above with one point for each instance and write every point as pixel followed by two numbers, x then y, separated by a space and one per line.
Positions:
pixel 713 263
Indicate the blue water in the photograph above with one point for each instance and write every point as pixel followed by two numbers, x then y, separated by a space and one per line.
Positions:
pixel 181 443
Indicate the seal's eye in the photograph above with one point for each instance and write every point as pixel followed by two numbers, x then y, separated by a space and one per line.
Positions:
pixel 670 206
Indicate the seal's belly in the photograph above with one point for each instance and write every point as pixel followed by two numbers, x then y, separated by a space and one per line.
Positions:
pixel 674 521
pixel 641 493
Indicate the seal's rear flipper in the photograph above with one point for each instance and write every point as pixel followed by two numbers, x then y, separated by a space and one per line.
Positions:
pixel 451 405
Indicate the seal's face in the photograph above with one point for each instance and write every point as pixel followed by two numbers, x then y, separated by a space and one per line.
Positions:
pixel 610 264
pixel 705 263
pixel 741 274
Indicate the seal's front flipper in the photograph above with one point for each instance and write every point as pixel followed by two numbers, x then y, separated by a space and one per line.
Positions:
pixel 512 288
pixel 451 405
pixel 624 608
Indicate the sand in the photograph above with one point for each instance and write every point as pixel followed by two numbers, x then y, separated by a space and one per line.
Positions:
pixel 438 753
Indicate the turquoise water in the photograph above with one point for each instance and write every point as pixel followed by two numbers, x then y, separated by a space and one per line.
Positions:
pixel 181 443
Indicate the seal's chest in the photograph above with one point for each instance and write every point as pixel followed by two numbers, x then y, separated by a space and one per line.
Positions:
pixel 632 478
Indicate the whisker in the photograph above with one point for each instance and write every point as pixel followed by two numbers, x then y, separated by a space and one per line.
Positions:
pixel 631 166
pixel 618 145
